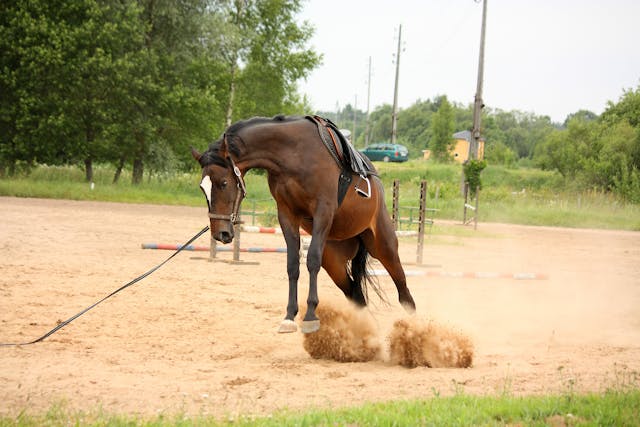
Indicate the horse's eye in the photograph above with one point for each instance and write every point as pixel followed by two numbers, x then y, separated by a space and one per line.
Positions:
pixel 223 184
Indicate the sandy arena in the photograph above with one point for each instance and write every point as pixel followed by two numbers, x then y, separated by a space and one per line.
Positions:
pixel 201 337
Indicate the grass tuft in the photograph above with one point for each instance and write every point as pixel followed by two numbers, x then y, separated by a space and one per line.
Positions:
pixel 614 407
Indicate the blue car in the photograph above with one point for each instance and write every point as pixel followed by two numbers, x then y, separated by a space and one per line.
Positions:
pixel 386 152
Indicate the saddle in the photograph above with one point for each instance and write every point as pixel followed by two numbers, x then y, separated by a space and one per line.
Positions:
pixel 349 160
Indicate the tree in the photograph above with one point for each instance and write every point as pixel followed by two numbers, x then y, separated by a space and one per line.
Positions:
pixel 519 131
pixel 614 168
pixel 442 129
pixel 381 123
pixel 33 36
pixel 91 73
pixel 135 80
pixel 497 153
pixel 627 108
pixel 565 150
pixel 277 58
pixel 584 115
pixel 414 126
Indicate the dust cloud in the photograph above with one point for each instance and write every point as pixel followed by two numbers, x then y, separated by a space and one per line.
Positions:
pixel 346 335
pixel 416 342
pixel 350 334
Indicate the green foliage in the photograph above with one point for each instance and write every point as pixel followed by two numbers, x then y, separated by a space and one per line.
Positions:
pixel 499 154
pixel 381 119
pixel 472 170
pixel 601 153
pixel 442 129
pixel 627 108
pixel 128 81
pixel 275 53
pixel 517 131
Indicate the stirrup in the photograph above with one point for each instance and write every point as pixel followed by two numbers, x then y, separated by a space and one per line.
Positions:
pixel 361 192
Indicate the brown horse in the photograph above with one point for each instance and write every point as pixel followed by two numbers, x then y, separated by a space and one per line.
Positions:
pixel 303 179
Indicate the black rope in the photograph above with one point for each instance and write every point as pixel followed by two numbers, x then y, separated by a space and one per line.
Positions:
pixel 134 281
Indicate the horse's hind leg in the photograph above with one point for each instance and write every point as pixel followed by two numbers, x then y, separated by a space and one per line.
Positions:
pixel 384 247
pixel 335 258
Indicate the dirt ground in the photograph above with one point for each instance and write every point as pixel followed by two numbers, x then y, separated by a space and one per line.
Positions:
pixel 201 337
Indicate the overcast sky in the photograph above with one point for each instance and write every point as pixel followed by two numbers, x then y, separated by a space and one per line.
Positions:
pixel 549 57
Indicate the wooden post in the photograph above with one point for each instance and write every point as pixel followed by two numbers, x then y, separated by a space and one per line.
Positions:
pixel 470 207
pixel 236 242
pixel 213 248
pixel 396 197
pixel 237 229
pixel 464 211
pixel 475 217
pixel 421 220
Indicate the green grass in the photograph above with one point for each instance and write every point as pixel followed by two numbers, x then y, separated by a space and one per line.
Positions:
pixel 619 408
pixel 546 199
pixel 518 196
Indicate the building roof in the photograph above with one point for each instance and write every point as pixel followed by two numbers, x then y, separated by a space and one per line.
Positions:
pixel 466 135
pixel 463 134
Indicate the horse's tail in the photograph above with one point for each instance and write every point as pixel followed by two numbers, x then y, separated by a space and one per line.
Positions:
pixel 362 278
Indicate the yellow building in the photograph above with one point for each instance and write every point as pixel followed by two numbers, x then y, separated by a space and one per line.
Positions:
pixel 460 151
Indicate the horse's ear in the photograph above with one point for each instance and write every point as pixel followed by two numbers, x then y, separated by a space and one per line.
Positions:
pixel 223 151
pixel 196 155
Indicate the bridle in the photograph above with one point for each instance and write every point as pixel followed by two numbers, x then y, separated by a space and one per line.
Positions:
pixel 234 216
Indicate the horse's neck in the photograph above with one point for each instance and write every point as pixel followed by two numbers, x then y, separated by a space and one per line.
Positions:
pixel 263 148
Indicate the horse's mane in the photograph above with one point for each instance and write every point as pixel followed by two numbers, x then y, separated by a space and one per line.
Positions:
pixel 211 156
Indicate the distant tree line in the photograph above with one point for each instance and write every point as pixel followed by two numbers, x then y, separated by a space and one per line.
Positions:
pixel 590 151
pixel 136 82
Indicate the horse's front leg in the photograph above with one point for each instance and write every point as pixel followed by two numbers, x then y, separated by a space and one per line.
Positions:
pixel 311 323
pixel 292 239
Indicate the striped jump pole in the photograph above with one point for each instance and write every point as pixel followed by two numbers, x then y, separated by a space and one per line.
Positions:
pixel 266 230
pixel 172 247
pixel 467 274
pixel 278 230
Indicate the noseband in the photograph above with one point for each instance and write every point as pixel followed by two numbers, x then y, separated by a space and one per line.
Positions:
pixel 234 216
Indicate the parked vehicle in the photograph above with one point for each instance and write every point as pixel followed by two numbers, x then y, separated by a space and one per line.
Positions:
pixel 386 152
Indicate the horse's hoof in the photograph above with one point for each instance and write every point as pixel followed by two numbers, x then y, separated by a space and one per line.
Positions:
pixel 287 326
pixel 408 307
pixel 310 326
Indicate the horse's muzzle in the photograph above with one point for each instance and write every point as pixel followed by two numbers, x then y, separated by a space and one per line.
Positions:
pixel 223 237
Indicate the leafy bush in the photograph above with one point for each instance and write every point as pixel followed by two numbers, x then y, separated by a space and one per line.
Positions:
pixel 472 171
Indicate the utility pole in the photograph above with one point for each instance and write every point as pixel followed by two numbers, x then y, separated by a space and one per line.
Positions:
pixel 355 118
pixel 394 114
pixel 475 132
pixel 366 125
pixel 478 104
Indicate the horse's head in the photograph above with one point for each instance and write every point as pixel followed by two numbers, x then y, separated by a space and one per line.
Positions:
pixel 224 189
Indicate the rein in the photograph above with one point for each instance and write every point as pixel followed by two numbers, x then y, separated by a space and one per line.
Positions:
pixel 136 280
